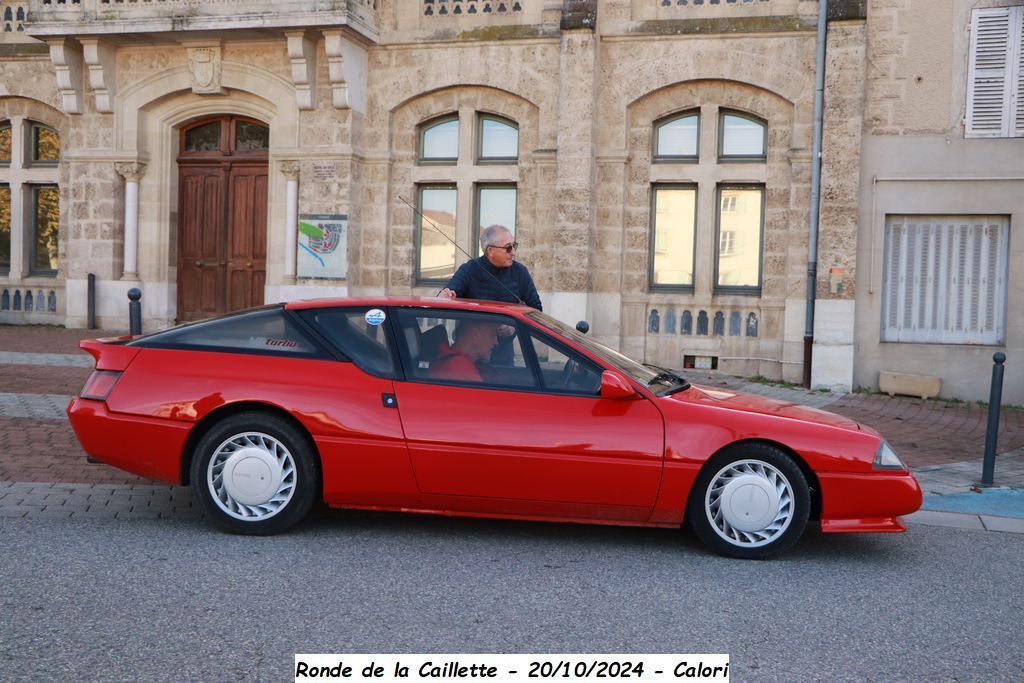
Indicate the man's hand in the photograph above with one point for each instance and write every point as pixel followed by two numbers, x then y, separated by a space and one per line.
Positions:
pixel 446 294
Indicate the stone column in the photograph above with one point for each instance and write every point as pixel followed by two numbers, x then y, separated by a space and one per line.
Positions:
pixel 290 170
pixel 132 173
pixel 575 170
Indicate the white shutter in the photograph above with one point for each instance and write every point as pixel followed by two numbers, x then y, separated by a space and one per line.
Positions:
pixel 988 89
pixel 945 279
pixel 1017 75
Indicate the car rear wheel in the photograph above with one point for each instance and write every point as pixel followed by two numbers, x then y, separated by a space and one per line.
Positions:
pixel 254 473
pixel 750 501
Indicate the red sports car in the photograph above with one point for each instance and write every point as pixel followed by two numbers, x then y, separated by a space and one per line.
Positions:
pixel 470 408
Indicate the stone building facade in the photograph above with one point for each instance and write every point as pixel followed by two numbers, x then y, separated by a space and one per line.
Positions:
pixel 653 158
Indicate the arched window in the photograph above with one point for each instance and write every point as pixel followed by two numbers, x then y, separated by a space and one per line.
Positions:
pixel 725 203
pixel 45 146
pixel 29 157
pixel 742 137
pixel 484 167
pixel 439 141
pixel 677 138
pixel 499 140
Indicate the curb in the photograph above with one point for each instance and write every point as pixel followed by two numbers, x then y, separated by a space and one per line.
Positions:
pixel 973 522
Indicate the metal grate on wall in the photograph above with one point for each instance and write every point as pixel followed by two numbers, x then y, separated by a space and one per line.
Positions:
pixel 945 279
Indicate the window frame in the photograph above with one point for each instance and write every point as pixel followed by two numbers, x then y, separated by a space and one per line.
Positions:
pixel 523 330
pixel 1011 90
pixel 656 136
pixel 479 158
pixel 743 290
pixel 7 125
pixel 323 350
pixel 652 239
pixel 32 190
pixel 30 149
pixel 477 225
pixel 418 218
pixel 421 134
pixel 724 158
pixel 5 269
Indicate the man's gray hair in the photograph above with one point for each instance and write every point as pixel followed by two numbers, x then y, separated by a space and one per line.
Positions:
pixel 488 235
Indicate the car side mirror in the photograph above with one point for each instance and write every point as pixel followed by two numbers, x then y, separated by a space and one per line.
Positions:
pixel 583 327
pixel 614 387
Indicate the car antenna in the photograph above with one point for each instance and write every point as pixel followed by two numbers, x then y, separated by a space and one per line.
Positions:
pixel 454 244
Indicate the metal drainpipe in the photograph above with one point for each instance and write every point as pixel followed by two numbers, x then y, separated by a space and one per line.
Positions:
pixel 812 239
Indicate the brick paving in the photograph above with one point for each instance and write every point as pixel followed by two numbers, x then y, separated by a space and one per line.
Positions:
pixel 46 451
pixel 47 338
pixel 42 379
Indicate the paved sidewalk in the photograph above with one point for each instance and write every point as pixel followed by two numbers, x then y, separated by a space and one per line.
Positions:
pixel 43 470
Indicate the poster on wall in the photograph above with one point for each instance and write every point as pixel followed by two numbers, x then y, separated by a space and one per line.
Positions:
pixel 323 240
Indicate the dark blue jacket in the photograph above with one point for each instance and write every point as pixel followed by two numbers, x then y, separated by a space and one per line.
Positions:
pixel 478 279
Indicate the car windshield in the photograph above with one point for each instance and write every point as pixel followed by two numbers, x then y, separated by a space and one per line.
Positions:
pixel 649 375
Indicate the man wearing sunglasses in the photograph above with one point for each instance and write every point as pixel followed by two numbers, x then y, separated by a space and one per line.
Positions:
pixel 495 276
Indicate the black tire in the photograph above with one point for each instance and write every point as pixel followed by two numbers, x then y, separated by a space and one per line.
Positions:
pixel 769 516
pixel 243 491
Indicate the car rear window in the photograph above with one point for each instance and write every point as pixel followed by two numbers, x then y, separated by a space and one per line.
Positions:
pixel 261 332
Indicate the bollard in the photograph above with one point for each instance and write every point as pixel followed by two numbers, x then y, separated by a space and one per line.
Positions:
pixel 992 432
pixel 134 311
pixel 90 303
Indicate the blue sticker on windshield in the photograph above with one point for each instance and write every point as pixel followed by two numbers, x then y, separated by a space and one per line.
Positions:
pixel 375 316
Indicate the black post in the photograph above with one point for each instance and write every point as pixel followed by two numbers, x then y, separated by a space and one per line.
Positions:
pixel 91 303
pixel 995 398
pixel 134 311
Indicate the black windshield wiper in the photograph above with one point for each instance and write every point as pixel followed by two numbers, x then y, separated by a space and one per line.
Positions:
pixel 668 377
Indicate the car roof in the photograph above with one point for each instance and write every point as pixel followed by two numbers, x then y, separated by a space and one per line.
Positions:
pixel 416 301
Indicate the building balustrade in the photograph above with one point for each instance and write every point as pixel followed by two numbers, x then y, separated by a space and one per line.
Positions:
pixel 100 17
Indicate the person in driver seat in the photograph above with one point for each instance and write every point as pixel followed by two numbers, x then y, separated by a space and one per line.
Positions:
pixel 474 341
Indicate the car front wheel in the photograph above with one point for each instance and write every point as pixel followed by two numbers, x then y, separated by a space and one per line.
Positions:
pixel 750 501
pixel 254 473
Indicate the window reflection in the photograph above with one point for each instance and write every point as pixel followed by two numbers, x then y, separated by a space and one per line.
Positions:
pixel 251 137
pixel 678 138
pixel 45 144
pixel 205 138
pixel 739 241
pixel 440 142
pixel 45 228
pixel 498 140
pixel 742 137
pixel 675 211
pixel 5 143
pixel 437 233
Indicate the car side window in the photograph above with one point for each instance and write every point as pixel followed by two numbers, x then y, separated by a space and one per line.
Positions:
pixel 359 333
pixel 564 371
pixel 265 332
pixel 463 348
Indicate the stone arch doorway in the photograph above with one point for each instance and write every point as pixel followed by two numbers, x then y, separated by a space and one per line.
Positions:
pixel 222 215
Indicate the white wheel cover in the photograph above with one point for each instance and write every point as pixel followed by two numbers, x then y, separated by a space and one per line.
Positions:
pixel 251 476
pixel 749 503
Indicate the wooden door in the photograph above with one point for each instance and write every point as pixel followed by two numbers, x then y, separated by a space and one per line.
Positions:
pixel 247 235
pixel 222 210
pixel 201 249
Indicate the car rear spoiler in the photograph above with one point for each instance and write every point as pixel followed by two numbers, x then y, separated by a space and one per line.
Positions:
pixel 110 352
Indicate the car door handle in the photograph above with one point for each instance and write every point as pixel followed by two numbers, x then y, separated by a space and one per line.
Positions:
pixel 389 400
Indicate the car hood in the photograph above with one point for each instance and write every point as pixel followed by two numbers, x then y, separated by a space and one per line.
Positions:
pixel 750 403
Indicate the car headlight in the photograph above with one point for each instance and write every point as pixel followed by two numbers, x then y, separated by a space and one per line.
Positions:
pixel 886 458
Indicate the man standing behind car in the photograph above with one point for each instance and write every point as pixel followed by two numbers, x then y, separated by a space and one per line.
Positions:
pixel 495 276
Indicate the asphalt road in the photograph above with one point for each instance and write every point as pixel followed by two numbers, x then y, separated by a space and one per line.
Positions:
pixel 173 599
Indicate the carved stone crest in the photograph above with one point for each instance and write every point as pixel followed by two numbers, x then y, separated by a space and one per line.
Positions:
pixel 204 64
